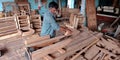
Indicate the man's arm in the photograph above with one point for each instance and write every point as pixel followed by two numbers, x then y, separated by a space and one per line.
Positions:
pixel 55 26
pixel 52 21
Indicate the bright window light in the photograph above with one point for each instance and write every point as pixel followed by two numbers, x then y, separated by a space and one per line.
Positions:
pixel 71 3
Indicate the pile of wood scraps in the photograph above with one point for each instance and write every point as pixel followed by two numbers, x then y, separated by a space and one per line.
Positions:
pixel 80 45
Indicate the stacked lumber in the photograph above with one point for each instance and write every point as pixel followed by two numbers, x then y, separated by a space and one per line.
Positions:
pixel 24 25
pixel 7 26
pixel 36 23
pixel 80 45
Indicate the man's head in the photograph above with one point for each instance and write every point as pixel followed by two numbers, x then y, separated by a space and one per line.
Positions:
pixel 53 7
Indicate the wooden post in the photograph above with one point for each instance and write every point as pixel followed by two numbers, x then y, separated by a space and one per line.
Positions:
pixel 91 14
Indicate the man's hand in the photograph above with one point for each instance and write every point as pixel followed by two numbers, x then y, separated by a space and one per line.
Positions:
pixel 65 30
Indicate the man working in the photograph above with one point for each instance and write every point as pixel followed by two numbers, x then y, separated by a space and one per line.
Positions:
pixel 49 24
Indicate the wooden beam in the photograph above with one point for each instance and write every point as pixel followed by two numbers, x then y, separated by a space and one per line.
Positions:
pixel 91 14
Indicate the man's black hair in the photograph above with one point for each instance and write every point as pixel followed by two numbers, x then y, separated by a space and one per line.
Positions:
pixel 53 5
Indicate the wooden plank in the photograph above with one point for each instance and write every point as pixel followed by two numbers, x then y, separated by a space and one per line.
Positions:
pixel 71 50
pixel 91 14
pixel 37 23
pixel 26 28
pixel 76 22
pixel 34 39
pixel 58 53
pixel 113 39
pixel 80 58
pixel 10 35
pixel 46 42
pixel 78 38
pixel 117 31
pixel 118 18
pixel 73 21
pixel 61 51
pixel 117 58
pixel 89 54
pixel 6 20
pixel 36 26
pixel 50 49
pixel 99 56
pixel 23 25
pixel 29 32
pixel 7 28
pixel 85 42
pixel 47 57
pixel 6 24
pixel 36 20
pixel 73 58
pixel 23 21
pixel 72 17
pixel 109 45
pixel 74 33
pixel 102 57
pixel 9 32
pixel 107 52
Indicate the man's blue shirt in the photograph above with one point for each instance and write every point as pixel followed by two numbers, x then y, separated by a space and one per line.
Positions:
pixel 49 25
